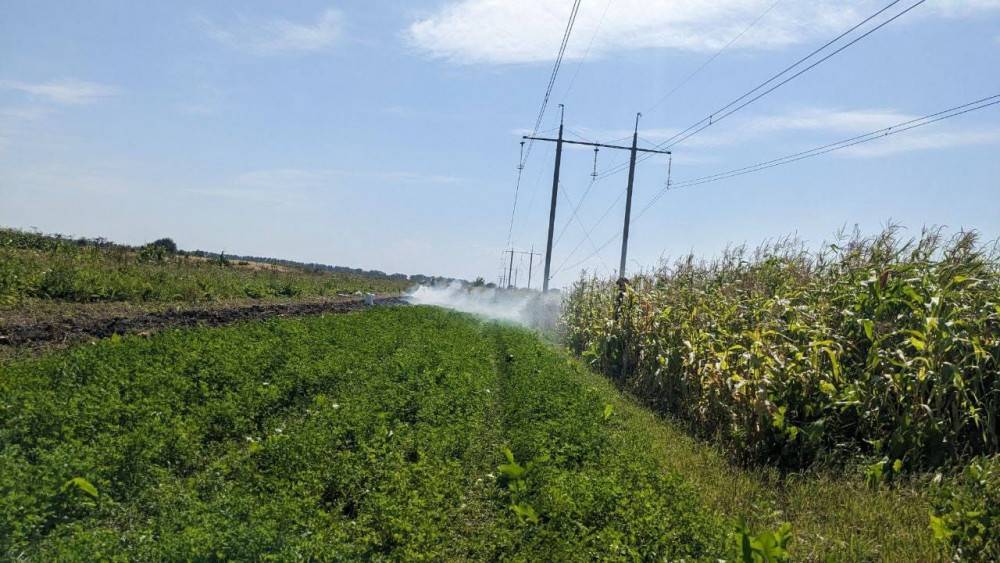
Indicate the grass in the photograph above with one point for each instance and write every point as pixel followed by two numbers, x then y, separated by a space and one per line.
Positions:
pixel 36 268
pixel 833 514
pixel 403 433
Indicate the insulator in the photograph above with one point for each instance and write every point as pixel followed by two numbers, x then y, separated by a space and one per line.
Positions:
pixel 594 173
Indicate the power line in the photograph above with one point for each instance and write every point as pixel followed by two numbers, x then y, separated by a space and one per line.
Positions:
pixel 896 129
pixel 555 72
pixel 596 251
pixel 600 22
pixel 588 232
pixel 576 208
pixel 713 57
pixel 526 218
pixel 712 118
pixel 541 112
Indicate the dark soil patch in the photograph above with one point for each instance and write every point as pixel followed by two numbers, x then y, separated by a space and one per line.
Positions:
pixel 45 331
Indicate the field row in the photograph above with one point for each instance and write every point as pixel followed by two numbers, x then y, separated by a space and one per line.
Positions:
pixel 404 433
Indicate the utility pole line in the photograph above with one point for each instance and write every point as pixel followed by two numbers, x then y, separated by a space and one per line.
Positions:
pixel 510 278
pixel 511 269
pixel 634 149
pixel 628 197
pixel 531 262
pixel 552 207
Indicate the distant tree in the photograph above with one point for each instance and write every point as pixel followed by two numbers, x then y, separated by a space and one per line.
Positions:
pixel 168 245
pixel 479 282
pixel 157 250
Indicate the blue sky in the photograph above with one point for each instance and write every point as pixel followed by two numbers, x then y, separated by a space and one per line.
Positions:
pixel 385 136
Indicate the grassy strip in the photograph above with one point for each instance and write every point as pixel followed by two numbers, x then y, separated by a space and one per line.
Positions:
pixel 832 514
pixel 35 267
pixel 360 436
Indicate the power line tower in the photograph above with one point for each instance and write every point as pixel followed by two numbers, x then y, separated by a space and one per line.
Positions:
pixel 509 279
pixel 634 150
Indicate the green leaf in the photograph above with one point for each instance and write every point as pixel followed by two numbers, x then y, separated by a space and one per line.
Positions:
pixel 525 512
pixel 80 484
pixel 828 388
pixel 913 295
pixel 778 418
pixel 869 328
pixel 940 529
pixel 512 471
pixel 609 409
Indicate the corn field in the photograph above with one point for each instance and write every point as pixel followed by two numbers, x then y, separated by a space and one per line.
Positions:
pixel 879 346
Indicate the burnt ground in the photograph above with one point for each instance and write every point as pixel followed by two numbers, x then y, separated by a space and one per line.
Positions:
pixel 51 325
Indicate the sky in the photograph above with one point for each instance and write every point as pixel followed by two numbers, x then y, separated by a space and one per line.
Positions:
pixel 386 135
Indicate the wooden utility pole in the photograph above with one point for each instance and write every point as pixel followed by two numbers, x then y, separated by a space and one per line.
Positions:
pixel 634 149
pixel 511 273
pixel 552 207
pixel 531 262
pixel 511 269
pixel 628 197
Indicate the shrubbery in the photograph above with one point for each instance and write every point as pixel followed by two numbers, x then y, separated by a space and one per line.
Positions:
pixel 34 266
pixel 966 512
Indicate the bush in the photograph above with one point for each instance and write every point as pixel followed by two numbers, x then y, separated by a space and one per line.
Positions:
pixel 966 513
pixel 59 282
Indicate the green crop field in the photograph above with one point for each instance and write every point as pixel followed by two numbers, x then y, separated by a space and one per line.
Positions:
pixel 797 407
pixel 37 268
pixel 881 352
pixel 401 433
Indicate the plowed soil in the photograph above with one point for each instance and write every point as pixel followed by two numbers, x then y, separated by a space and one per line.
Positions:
pixel 52 325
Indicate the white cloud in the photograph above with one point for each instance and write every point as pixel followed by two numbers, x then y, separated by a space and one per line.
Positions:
pixel 814 119
pixel 281 184
pixel 963 8
pixel 67 91
pixel 823 125
pixel 23 113
pixel 524 31
pixel 838 124
pixel 270 37
pixel 294 178
pixel 922 140
pixel 740 130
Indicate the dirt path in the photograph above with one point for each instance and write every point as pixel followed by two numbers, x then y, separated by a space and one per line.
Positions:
pixel 54 326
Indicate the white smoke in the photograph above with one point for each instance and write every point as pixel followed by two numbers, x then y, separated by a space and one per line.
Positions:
pixel 525 307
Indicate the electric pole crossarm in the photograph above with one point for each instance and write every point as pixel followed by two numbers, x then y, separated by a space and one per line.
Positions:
pixel 636 149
